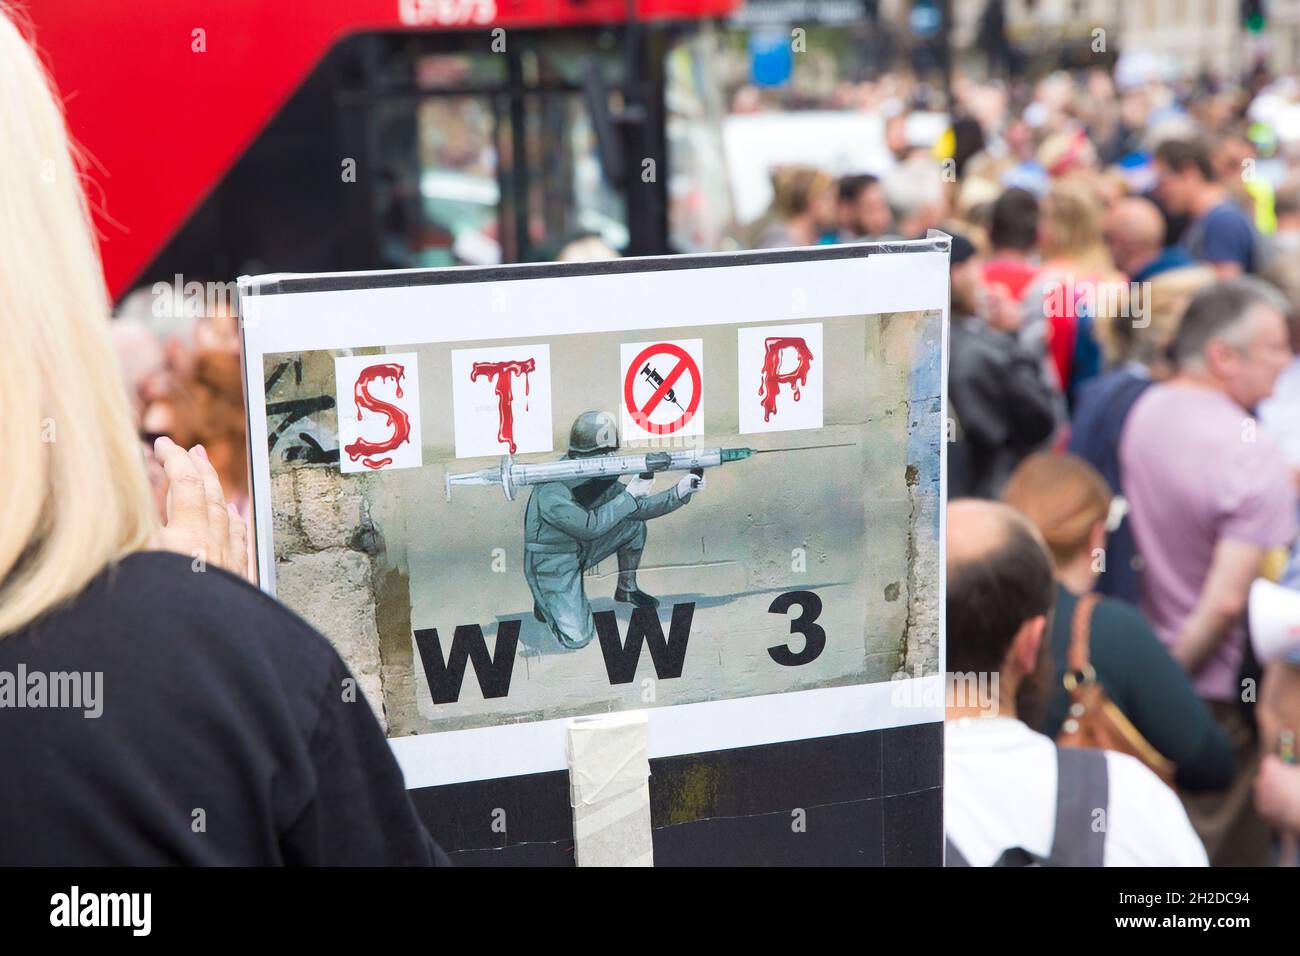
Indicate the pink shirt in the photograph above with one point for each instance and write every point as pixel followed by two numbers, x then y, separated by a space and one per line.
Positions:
pixel 1196 470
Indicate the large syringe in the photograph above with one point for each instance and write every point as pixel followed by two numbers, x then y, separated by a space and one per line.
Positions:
pixel 512 475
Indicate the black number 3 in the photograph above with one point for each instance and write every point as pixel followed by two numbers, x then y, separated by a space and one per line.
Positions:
pixel 814 637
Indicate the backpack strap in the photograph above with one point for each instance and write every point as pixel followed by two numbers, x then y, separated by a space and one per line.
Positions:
pixel 951 855
pixel 1082 788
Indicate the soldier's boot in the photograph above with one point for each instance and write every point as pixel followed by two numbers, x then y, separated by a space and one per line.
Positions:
pixel 629 593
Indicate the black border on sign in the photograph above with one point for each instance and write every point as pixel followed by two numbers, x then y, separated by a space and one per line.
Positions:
pixel 456 275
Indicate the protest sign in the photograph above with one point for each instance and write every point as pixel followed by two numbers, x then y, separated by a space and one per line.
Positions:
pixel 706 487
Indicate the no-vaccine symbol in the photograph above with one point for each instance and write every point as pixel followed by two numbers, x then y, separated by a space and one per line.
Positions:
pixel 378 402
pixel 663 383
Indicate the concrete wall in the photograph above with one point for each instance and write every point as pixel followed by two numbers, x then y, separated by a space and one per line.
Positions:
pixel 325 567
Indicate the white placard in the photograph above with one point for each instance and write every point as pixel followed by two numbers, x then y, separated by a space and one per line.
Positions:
pixel 733 666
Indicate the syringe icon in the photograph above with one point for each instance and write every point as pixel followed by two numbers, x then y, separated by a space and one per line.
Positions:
pixel 654 378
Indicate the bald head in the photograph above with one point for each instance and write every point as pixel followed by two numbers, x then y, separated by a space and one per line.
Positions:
pixel 1135 233
pixel 977 527
pixel 998 575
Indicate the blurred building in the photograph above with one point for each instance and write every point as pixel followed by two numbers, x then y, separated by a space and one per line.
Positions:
pixel 1281 37
pixel 1186 38
pixel 1191 36
pixel 1210 36
pixel 1045 34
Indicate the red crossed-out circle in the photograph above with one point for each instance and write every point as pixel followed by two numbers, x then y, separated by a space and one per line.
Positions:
pixel 684 364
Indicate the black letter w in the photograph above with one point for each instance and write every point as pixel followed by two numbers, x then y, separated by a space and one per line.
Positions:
pixel 668 657
pixel 493 672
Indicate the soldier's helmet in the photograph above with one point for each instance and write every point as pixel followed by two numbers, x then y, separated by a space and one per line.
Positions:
pixel 593 433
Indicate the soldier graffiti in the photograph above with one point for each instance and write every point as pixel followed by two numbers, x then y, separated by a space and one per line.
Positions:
pixel 579 513
pixel 617 571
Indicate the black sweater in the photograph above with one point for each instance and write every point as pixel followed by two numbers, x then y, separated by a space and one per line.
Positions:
pixel 226 735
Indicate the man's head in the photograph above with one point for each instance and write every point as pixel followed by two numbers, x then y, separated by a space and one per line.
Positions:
pixel 1183 171
pixel 1234 336
pixel 593 433
pixel 863 210
pixel 1231 153
pixel 1013 223
pixel 1000 592
pixel 1135 233
pixel 1019 137
pixel 161 310
pixel 804 191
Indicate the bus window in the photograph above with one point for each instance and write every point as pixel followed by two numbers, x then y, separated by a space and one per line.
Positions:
pixel 568 193
pixel 440 152
pixel 700 217
pixel 438 199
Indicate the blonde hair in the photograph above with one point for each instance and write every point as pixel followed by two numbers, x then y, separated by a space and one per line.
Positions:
pixel 1063 496
pixel 73 491
pixel 1072 220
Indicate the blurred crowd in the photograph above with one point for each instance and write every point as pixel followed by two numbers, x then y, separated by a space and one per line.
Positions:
pixel 179 355
pixel 1125 309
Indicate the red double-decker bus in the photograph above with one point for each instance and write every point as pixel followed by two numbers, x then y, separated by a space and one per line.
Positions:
pixel 269 135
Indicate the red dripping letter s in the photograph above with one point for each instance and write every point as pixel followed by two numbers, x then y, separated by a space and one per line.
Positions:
pixel 398 420
pixel 773 377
